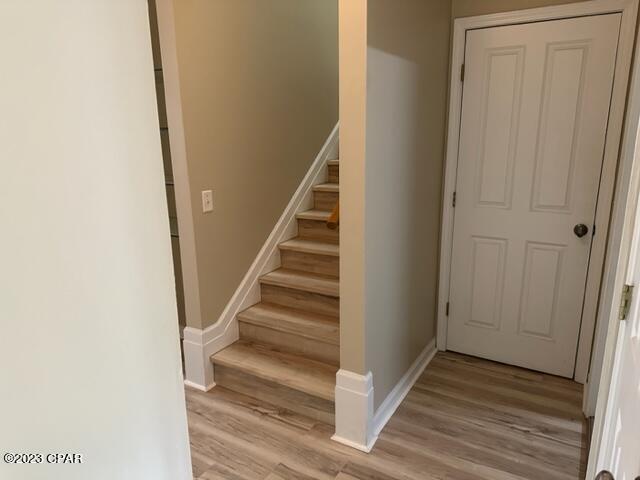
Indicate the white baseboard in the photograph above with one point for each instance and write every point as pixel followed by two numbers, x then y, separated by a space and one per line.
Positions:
pixel 198 387
pixel 354 410
pixel 396 396
pixel 357 425
pixel 199 345
pixel 362 447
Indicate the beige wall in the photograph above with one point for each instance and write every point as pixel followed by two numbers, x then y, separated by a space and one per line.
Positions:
pixel 89 346
pixel 394 80
pixel 353 103
pixel 259 90
pixel 468 8
pixel 408 62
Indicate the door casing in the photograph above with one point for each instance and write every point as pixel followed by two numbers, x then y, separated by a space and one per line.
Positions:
pixel 617 274
pixel 591 310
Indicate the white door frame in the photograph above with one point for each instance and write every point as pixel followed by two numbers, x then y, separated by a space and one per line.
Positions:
pixel 623 227
pixel 629 11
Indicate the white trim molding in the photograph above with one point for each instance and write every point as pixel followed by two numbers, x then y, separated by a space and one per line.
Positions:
pixel 198 347
pixel 198 344
pixel 628 9
pixel 597 395
pixel 357 425
pixel 354 410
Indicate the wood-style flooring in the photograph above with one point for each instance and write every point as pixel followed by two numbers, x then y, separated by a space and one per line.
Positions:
pixel 465 419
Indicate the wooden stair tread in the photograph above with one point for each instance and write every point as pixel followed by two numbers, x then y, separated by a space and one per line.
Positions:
pixel 297 322
pixel 327 187
pixel 293 371
pixel 311 246
pixel 319 215
pixel 289 347
pixel 308 282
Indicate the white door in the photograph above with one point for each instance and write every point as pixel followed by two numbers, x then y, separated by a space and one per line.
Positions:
pixel 534 118
pixel 620 446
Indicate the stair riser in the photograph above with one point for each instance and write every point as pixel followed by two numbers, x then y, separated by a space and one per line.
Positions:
pixel 325 200
pixel 317 230
pixel 309 302
pixel 291 343
pixel 334 174
pixel 310 262
pixel 275 394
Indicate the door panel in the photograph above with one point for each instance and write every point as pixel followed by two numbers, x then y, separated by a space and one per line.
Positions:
pixel 501 108
pixel 534 117
pixel 542 272
pixel 562 98
pixel 488 281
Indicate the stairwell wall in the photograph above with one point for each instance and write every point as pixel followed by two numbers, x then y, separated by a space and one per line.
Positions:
pixel 394 71
pixel 408 71
pixel 394 61
pixel 258 88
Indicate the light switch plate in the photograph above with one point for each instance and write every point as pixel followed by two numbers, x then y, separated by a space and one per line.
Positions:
pixel 207 201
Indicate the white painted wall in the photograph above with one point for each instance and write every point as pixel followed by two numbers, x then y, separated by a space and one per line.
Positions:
pixel 89 341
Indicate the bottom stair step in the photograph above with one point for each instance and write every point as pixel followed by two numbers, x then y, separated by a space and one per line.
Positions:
pixel 275 394
pixel 294 372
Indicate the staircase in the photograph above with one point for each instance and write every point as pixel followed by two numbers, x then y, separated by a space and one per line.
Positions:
pixel 289 348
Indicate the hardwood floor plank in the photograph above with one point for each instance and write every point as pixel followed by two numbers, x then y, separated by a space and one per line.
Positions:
pixel 267 439
pixel 474 449
pixel 218 472
pixel 510 380
pixel 504 424
pixel 540 378
pixel 358 471
pixel 507 400
pixel 346 476
pixel 273 393
pixel 233 402
pixel 284 472
pixel 224 456
pixel 465 419
pixel 221 472
pixel 455 459
pixel 200 461
pixel 534 401
pixel 392 459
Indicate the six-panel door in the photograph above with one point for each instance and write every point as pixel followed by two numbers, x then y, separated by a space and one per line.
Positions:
pixel 534 118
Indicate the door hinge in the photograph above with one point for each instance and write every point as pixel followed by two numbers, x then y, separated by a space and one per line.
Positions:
pixel 462 69
pixel 447 310
pixel 625 301
pixel 455 195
